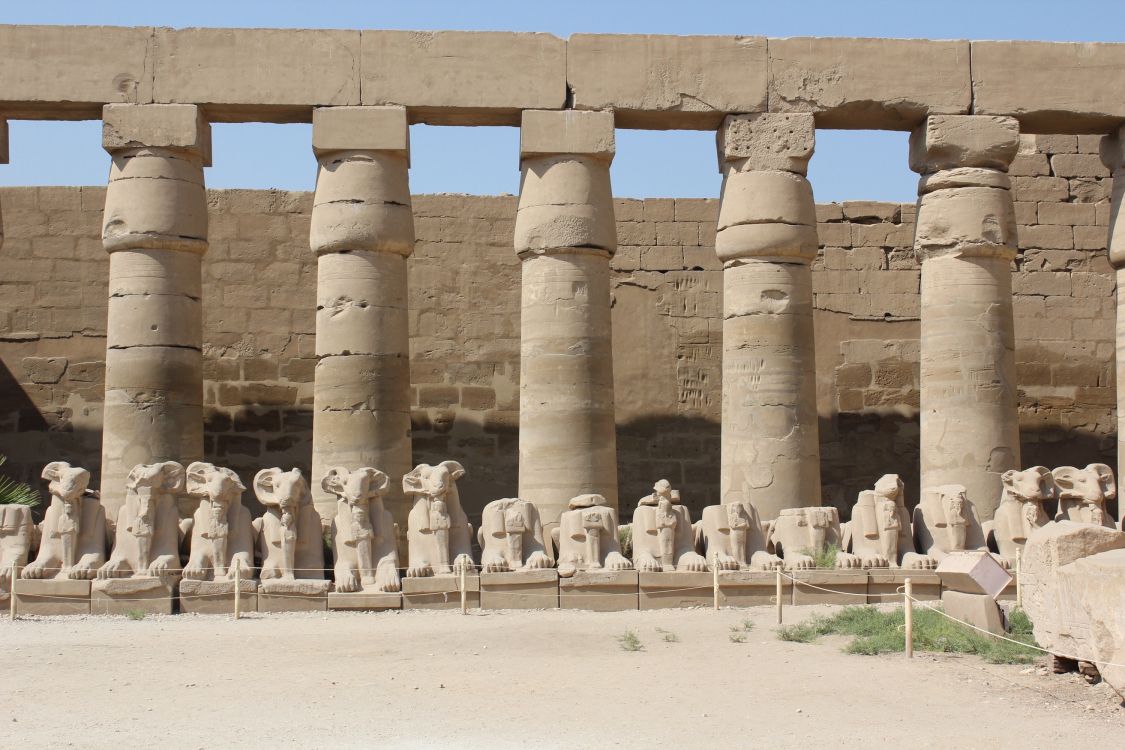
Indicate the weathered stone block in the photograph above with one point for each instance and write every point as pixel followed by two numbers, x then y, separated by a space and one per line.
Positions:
pixel 978 610
pixel 121 596
pixel 546 132
pixel 245 75
pixel 663 82
pixel 676 589
pixel 955 141
pixel 973 573
pixel 363 600
pixel 52 597
pixel 1051 87
pixel 360 129
pixel 600 591
pixel 768 141
pixel 305 595
pixel 464 77
pixel 217 597
pixel 846 586
pixel 886 586
pixel 522 589
pixel 750 588
pixel 440 592
pixel 174 126
pixel 887 84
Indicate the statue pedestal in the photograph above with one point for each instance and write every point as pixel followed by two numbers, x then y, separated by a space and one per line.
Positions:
pixel 520 589
pixel 676 589
pixel 52 597
pixel 600 590
pixel 849 586
pixel 217 597
pixel 367 600
pixel 151 595
pixel 440 592
pixel 884 585
pixel 301 595
pixel 752 588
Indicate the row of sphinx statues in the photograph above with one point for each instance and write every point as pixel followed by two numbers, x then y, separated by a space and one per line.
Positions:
pixel 149 539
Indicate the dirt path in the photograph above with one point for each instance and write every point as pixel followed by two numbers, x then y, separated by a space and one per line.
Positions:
pixel 509 680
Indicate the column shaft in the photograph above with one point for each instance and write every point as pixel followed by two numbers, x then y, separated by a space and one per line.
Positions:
pixel 3 160
pixel 155 229
pixel 966 241
pixel 766 240
pixel 565 234
pixel 363 232
pixel 1113 156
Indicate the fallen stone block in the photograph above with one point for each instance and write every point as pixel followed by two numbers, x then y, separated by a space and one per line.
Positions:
pixel 978 610
pixel 973 573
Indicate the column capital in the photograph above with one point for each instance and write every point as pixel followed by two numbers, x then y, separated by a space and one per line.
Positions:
pixel 3 141
pixel 1111 149
pixel 379 128
pixel 767 141
pixel 955 141
pixel 175 127
pixel 567 131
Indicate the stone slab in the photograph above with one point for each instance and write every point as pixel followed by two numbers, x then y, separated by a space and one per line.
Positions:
pixel 122 596
pixel 217 597
pixel 360 129
pixel 52 597
pixel 520 589
pixel 242 75
pixel 464 77
pixel 752 588
pixel 667 82
pixel 1051 87
pixel 978 610
pixel 884 585
pixel 364 600
pixel 440 592
pixel 293 596
pixel 69 72
pixel 887 84
pixel 600 591
pixel 676 589
pixel 848 586
pixel 544 132
pixel 973 573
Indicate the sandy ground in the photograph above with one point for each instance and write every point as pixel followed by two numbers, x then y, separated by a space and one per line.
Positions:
pixel 513 679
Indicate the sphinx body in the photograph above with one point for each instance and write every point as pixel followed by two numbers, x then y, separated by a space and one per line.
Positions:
pixel 946 522
pixel 222 535
pixel 289 538
pixel 73 538
pixel 587 537
pixel 15 541
pixel 363 531
pixel 511 537
pixel 879 533
pixel 438 532
pixel 1021 510
pixel 147 535
pixel 800 533
pixel 663 538
pixel 1083 493
pixel 734 537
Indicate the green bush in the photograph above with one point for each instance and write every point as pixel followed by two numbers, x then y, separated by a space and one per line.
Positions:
pixel 630 642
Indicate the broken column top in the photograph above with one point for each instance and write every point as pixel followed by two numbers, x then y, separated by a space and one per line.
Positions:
pixel 361 129
pixel 549 132
pixel 3 141
pixel 952 141
pixel 768 141
pixel 179 127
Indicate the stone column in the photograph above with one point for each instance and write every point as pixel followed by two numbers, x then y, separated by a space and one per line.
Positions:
pixel 362 233
pixel 766 240
pixel 3 160
pixel 1113 156
pixel 965 240
pixel 155 230
pixel 565 234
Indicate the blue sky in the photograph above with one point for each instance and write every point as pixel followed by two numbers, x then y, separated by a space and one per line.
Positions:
pixel 848 165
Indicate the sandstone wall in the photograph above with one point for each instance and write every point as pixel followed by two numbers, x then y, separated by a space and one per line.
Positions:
pixel 464 281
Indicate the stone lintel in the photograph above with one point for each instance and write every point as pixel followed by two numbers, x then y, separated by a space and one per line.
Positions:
pixel 550 132
pixel 361 129
pixel 952 141
pixel 765 140
pixel 179 127
pixel 3 141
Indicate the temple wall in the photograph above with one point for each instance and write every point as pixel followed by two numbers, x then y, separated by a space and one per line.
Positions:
pixel 259 308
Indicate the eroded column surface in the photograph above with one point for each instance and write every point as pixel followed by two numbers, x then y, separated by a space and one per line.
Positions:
pixel 3 160
pixel 155 230
pixel 966 241
pixel 1113 156
pixel 362 232
pixel 565 234
pixel 766 240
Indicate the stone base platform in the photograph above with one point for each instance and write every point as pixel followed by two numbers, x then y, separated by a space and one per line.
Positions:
pixel 440 592
pixel 120 596
pixel 217 597
pixel 851 585
pixel 52 597
pixel 884 585
pixel 301 595
pixel 676 589
pixel 520 589
pixel 752 588
pixel 600 590
pixel 979 610
pixel 371 600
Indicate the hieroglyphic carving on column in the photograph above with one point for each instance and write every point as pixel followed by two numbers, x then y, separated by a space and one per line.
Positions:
pixel 362 232
pixel 766 240
pixel 966 240
pixel 155 229
pixel 1113 156
pixel 565 234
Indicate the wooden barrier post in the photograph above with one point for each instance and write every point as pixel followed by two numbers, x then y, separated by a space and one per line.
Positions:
pixel 1019 578
pixel 779 596
pixel 464 593
pixel 12 591
pixel 908 610
pixel 237 590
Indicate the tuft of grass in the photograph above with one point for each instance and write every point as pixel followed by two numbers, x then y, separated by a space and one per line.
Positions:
pixel 16 493
pixel 668 636
pixel 136 614
pixel 737 634
pixel 823 558
pixel 630 642
pixel 877 632
pixel 747 624
pixel 625 539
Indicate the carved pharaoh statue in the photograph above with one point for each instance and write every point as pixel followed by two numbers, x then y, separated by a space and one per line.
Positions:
pixel 363 531
pixel 663 538
pixel 438 532
pixel 73 538
pixel 511 537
